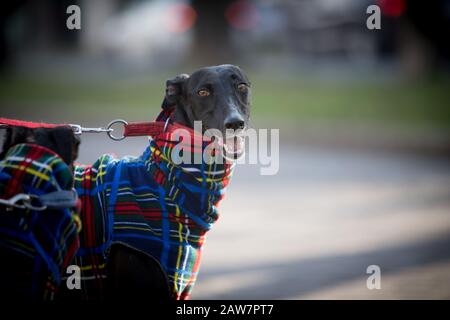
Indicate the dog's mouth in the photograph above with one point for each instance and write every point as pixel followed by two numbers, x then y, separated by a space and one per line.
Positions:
pixel 234 147
pixel 232 143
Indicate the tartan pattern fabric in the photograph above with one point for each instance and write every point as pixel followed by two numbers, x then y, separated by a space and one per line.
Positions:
pixel 152 204
pixel 35 246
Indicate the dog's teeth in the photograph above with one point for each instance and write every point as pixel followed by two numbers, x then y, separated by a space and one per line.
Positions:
pixel 234 145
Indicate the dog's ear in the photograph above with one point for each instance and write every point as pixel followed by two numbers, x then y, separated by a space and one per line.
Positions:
pixel 174 88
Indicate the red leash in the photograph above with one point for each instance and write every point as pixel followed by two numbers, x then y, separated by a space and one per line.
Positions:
pixel 136 129
pixel 29 124
pixel 133 129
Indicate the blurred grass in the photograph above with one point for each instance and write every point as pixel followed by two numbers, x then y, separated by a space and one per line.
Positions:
pixel 410 105
pixel 290 101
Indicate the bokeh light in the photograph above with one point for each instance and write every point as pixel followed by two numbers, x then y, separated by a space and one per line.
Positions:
pixel 392 8
pixel 242 15
pixel 180 18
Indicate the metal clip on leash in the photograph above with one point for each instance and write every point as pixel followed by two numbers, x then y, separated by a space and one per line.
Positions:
pixel 129 129
pixel 77 129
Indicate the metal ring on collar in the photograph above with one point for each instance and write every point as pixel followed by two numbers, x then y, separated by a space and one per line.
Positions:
pixel 110 132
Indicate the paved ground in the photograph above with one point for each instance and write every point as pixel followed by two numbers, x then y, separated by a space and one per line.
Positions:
pixel 311 231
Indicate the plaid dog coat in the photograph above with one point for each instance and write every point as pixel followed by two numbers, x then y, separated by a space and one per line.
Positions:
pixel 35 246
pixel 152 204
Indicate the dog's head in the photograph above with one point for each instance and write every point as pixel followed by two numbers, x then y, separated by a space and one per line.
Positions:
pixel 218 96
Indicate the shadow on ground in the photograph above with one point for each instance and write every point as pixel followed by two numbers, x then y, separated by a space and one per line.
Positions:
pixel 283 280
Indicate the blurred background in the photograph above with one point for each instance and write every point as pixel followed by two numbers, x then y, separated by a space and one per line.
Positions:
pixel 364 119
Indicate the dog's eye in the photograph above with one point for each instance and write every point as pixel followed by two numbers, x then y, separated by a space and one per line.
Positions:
pixel 242 87
pixel 203 93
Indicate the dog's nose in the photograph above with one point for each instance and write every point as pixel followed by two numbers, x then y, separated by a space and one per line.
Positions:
pixel 234 122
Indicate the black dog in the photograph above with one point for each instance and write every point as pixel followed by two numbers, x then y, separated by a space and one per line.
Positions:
pixel 219 97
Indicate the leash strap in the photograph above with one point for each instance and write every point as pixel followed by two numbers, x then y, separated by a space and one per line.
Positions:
pixel 28 124
pixel 136 129
pixel 133 129
pixel 60 199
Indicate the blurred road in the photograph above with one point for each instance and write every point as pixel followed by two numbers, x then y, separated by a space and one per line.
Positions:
pixel 311 230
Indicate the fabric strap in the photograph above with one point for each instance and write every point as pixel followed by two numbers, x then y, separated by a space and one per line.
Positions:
pixel 29 124
pixel 136 129
pixel 133 129
pixel 60 199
